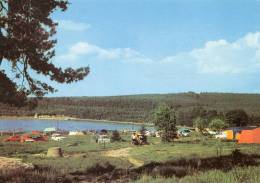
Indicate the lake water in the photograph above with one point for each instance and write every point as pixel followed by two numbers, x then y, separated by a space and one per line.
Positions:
pixel 70 125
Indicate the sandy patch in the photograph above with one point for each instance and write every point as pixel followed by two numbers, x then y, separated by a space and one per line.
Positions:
pixel 13 164
pixel 124 153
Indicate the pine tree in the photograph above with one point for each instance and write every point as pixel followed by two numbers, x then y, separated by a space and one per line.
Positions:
pixel 165 121
pixel 27 44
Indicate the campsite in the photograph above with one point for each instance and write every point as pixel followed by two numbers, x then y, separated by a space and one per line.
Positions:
pixel 81 153
pixel 138 91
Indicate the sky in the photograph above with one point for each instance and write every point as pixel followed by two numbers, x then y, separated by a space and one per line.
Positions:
pixel 160 46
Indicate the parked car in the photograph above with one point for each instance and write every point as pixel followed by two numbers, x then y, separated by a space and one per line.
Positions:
pixel 57 137
pixel 184 132
pixel 212 132
pixel 148 133
pixel 221 135
pixel 103 139
pixel 157 134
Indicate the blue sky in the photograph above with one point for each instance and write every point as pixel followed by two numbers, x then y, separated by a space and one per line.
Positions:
pixel 160 46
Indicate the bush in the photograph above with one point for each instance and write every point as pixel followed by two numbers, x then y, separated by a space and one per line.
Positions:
pixel 115 136
pixel 237 117
pixel 37 175
pixel 201 124
pixel 165 121
pixel 142 131
pixel 217 125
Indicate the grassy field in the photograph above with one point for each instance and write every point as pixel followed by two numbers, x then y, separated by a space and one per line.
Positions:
pixel 83 155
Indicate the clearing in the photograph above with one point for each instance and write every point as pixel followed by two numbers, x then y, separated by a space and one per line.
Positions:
pixel 124 153
pixel 13 164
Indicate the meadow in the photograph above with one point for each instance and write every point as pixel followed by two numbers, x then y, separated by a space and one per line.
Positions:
pixel 190 159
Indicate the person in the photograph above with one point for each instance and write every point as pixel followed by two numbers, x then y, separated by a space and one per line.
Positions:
pixel 141 139
pixel 134 139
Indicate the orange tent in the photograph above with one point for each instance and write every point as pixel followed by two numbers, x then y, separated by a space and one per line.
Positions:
pixel 230 134
pixel 36 132
pixel 233 133
pixel 250 136
pixel 238 136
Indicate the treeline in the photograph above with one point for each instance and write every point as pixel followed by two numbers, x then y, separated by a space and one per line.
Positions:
pixel 138 108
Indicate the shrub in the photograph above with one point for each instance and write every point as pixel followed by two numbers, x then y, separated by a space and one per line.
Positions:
pixel 217 124
pixel 115 136
pixel 165 121
pixel 200 123
pixel 142 131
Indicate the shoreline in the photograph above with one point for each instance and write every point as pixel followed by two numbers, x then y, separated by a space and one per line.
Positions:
pixel 66 118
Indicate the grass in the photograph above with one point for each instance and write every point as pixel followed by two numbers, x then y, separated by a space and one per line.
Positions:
pixel 82 153
pixel 38 175
pixel 72 144
pixel 237 175
pixel 188 147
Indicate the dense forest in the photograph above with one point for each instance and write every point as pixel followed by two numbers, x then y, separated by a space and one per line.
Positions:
pixel 139 108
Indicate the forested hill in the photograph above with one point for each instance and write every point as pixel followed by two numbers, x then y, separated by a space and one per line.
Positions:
pixel 138 108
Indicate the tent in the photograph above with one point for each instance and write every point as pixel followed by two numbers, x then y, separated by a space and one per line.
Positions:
pixel 250 136
pixel 50 130
pixel 230 134
pixel 234 132
pixel 76 133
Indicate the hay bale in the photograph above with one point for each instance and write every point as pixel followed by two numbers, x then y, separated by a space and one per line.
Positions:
pixel 55 152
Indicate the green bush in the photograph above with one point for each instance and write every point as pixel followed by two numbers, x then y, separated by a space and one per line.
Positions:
pixel 115 136
pixel 217 124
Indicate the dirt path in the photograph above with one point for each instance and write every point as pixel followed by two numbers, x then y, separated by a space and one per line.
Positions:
pixel 124 153
pixel 13 164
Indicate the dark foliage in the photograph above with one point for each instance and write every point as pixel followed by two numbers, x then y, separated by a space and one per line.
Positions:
pixel 184 167
pixel 109 173
pixel 37 175
pixel 165 121
pixel 237 117
pixel 115 136
pixel 97 173
pixel 142 132
pixel 103 131
pixel 178 168
pixel 8 93
pixel 27 44
pixel 139 108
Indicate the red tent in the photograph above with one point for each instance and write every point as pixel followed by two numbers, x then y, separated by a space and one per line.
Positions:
pixel 250 136
pixel 15 138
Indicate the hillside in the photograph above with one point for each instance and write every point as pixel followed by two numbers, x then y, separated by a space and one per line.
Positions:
pixel 138 108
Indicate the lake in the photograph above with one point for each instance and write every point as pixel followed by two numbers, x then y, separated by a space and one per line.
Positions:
pixel 70 125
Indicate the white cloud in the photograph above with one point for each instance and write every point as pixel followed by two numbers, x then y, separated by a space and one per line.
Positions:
pixel 73 26
pixel 241 56
pixel 223 57
pixel 89 50
pixel 216 57
pixel 251 40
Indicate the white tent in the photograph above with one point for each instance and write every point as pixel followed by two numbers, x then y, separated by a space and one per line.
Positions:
pixel 50 130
